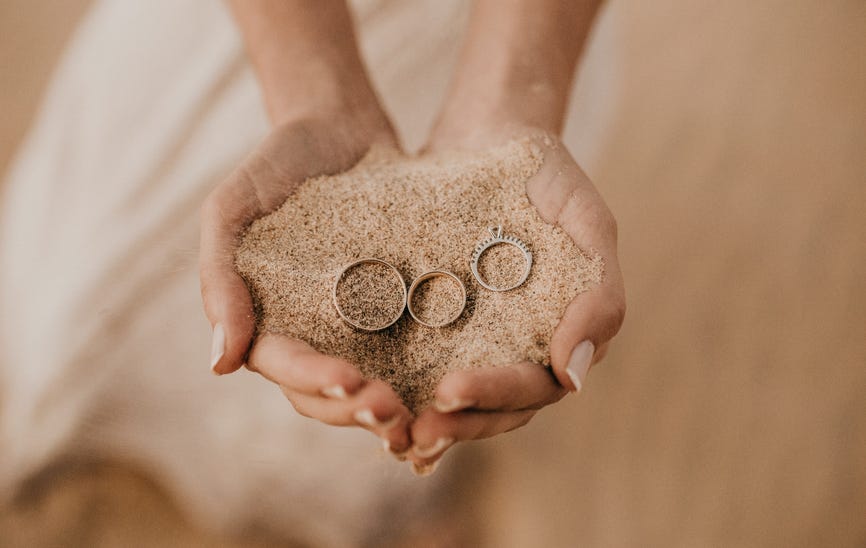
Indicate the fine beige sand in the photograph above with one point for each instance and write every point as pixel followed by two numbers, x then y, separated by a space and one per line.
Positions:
pixel 728 411
pixel 419 214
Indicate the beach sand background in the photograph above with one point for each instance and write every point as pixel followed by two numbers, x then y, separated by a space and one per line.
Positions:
pixel 730 141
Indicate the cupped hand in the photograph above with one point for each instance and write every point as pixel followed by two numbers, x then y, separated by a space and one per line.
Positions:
pixel 480 403
pixel 319 386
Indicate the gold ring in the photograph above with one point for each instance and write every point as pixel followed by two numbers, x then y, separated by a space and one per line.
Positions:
pixel 355 323
pixel 434 274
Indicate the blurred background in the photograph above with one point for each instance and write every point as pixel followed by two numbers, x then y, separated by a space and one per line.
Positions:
pixel 729 139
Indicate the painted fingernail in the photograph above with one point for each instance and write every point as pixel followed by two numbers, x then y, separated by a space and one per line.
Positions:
pixel 440 445
pixel 367 418
pixel 423 470
pixel 399 455
pixel 453 405
pixel 336 392
pixel 578 363
pixel 217 347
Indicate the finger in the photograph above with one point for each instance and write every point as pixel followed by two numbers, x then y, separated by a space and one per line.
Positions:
pixel 433 433
pixel 564 195
pixel 380 410
pixel 291 154
pixel 512 388
pixel 375 407
pixel 298 366
pixel 254 189
pixel 227 300
pixel 589 322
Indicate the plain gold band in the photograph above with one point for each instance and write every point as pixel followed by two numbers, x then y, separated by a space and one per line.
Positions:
pixel 369 260
pixel 426 276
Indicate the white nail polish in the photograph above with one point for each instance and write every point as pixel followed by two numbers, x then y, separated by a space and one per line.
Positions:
pixel 425 469
pixel 218 346
pixel 452 406
pixel 400 456
pixel 440 445
pixel 390 423
pixel 578 363
pixel 367 418
pixel 337 392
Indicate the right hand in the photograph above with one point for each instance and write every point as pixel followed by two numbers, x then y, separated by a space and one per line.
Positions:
pixel 318 386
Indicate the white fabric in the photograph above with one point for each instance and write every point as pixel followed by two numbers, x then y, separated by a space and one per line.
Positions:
pixel 103 344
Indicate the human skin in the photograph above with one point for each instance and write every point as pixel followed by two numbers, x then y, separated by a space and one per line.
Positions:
pixel 513 80
pixel 326 117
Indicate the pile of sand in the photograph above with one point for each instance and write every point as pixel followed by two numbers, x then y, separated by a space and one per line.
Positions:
pixel 419 214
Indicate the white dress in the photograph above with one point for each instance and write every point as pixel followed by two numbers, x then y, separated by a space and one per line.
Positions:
pixel 103 342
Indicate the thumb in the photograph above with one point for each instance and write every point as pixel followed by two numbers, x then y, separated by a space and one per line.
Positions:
pixel 589 322
pixel 564 195
pixel 227 301
pixel 593 317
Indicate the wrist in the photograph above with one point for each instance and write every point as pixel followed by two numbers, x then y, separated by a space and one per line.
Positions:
pixel 344 131
pixel 508 106
pixel 319 88
pixel 483 134
pixel 306 59
pixel 517 65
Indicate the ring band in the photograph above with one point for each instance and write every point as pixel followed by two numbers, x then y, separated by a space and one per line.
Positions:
pixel 435 274
pixel 354 323
pixel 497 238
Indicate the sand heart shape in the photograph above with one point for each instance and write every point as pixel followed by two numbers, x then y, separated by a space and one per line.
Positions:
pixel 419 214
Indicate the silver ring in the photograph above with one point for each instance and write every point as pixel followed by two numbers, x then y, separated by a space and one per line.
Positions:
pixel 496 238
pixel 353 323
pixel 434 274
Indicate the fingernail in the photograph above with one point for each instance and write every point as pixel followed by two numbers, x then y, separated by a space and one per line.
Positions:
pixel 367 418
pixel 423 470
pixel 578 363
pixel 440 445
pixel 399 455
pixel 453 405
pixel 218 346
pixel 337 392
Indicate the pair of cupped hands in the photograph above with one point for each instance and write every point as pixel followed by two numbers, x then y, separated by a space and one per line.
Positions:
pixel 468 404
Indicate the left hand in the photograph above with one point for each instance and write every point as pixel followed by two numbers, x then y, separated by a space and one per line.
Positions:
pixel 480 403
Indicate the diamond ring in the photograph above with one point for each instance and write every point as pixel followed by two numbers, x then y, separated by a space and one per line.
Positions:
pixel 496 238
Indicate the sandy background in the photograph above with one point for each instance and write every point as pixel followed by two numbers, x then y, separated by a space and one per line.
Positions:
pixel 732 409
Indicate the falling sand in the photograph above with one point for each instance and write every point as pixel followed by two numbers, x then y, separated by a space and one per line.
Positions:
pixel 419 214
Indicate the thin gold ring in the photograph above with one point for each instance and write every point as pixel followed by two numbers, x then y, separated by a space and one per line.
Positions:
pixel 434 274
pixel 369 260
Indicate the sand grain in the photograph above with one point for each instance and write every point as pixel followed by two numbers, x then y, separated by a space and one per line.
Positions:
pixel 419 214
